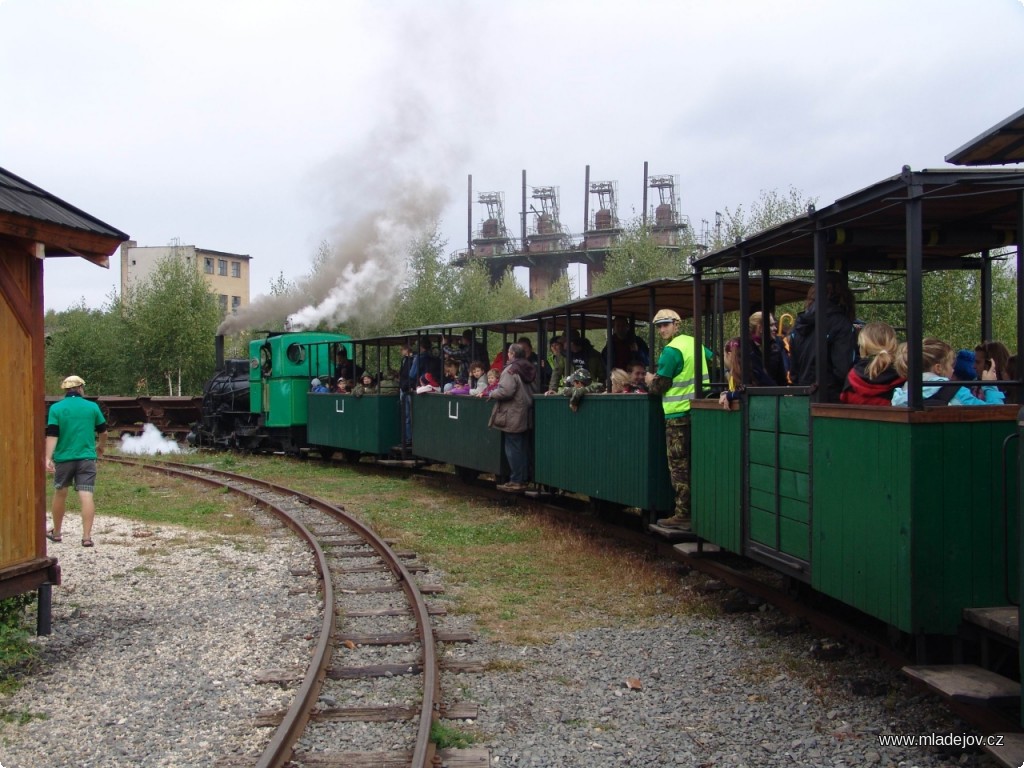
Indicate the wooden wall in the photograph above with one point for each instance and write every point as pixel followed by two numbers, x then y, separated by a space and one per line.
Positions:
pixel 22 443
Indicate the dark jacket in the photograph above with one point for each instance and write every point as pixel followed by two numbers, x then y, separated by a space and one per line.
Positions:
pixel 860 389
pixel 840 344
pixel 405 380
pixel 513 407
pixel 774 375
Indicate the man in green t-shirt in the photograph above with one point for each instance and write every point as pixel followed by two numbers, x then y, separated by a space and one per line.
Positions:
pixel 76 434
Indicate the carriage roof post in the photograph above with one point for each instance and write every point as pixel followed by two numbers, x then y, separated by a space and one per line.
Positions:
pixel 820 297
pixel 1019 283
pixel 744 314
pixel 698 334
pixel 767 310
pixel 609 357
pixel 915 314
pixel 986 295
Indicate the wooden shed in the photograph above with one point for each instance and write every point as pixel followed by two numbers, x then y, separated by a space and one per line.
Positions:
pixel 34 226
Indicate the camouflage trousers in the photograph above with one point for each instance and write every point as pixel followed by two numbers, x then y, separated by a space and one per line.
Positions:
pixel 677 449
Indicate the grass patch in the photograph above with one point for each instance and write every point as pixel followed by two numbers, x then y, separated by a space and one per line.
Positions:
pixel 449 737
pixel 16 652
pixel 21 717
pixel 525 578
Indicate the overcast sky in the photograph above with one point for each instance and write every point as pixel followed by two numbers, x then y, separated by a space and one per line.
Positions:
pixel 263 128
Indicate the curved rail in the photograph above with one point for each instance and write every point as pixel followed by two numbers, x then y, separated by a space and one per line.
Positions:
pixel 279 750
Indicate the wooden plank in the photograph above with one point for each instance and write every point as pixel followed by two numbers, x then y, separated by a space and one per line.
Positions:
pixel 1001 620
pixel 697 548
pixel 465 758
pixel 432 608
pixel 376 670
pixel 353 759
pixel 1011 753
pixel 465 666
pixel 426 589
pixel 405 638
pixel 460 710
pixel 967 683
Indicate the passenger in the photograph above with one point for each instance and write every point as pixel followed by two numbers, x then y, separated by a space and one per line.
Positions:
pixel 774 374
pixel 464 350
pixel 343 387
pixel 501 359
pixel 425 362
pixel 345 368
pixel 428 384
pixel 963 366
pixel 477 378
pixel 874 377
pixel 451 372
pixel 637 371
pixel 620 380
pixel 543 373
pixel 406 386
pixel 513 415
pixel 461 386
pixel 626 345
pixel 317 387
pixel 734 383
pixel 366 386
pixel 578 385
pixel 556 362
pixel 675 383
pixel 583 355
pixel 837 323
pixel 76 435
pixel 388 382
pixel 492 382
pixel 991 355
pixel 937 357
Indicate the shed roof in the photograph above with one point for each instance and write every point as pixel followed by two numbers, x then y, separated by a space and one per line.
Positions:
pixel 30 213
pixel 1002 143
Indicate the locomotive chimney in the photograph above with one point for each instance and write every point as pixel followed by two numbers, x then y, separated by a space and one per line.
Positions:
pixel 218 352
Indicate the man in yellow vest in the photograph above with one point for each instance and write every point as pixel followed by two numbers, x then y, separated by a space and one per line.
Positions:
pixel 674 381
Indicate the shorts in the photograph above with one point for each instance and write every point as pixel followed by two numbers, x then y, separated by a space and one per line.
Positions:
pixel 82 473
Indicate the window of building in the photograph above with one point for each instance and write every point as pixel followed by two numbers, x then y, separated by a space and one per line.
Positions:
pixel 222 267
pixel 223 303
pixel 236 269
pixel 208 266
pixel 236 302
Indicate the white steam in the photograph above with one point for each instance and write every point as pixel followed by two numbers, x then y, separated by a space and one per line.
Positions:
pixel 149 443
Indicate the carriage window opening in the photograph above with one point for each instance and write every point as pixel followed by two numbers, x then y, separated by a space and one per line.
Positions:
pixel 296 353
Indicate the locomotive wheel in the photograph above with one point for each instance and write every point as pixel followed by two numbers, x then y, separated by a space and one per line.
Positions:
pixel 351 456
pixel 466 475
pixel 326 453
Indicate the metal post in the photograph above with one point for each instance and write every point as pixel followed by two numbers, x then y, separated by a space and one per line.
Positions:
pixel 698 334
pixel 986 295
pixel 524 212
pixel 820 300
pixel 915 273
pixel 586 205
pixel 744 319
pixel 469 218
pixel 44 609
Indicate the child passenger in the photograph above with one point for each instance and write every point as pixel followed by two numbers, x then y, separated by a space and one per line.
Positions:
pixel 938 359
pixel 873 377
pixel 477 378
pixel 493 375
pixel 620 380
pixel 734 385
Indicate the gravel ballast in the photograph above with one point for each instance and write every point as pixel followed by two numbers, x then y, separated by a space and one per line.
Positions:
pixel 153 663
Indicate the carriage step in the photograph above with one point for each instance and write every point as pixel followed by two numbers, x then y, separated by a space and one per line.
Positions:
pixel 1010 754
pixel 1002 620
pixel 967 683
pixel 698 548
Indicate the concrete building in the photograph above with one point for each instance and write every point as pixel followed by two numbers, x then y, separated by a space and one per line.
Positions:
pixel 226 273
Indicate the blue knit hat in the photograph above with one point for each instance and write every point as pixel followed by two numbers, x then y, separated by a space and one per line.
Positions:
pixel 963 368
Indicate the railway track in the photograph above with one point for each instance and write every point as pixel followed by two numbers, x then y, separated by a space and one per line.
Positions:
pixel 371 591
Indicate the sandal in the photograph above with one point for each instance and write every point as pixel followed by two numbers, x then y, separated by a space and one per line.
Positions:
pixel 87 543
pixel 53 536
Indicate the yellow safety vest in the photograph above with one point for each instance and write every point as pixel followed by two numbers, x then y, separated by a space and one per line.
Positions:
pixel 676 400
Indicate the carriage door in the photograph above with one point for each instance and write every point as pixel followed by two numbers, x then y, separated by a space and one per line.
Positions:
pixel 778 463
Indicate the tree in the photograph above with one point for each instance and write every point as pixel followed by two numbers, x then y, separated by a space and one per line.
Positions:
pixel 90 343
pixel 636 257
pixel 171 320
